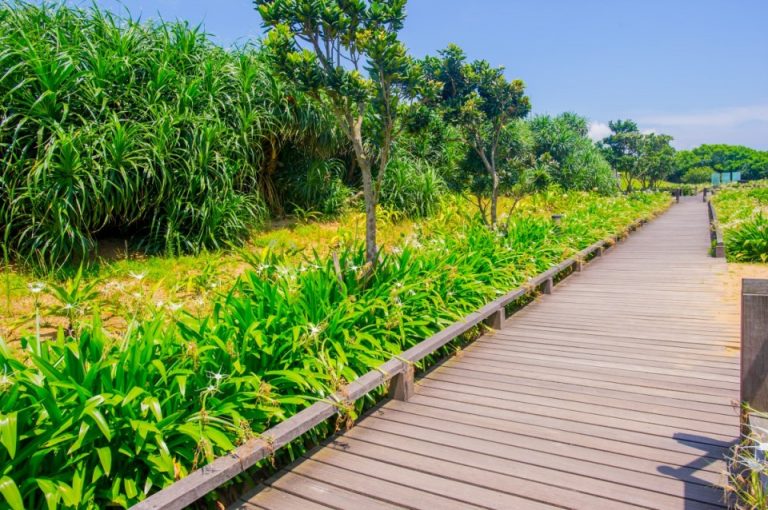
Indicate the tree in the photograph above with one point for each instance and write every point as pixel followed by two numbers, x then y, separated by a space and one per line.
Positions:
pixel 656 159
pixel 698 175
pixel 622 149
pixel 752 164
pixel 647 158
pixel 479 100
pixel 326 48
pixel 577 163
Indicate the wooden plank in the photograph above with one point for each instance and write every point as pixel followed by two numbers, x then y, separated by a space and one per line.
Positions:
pixel 575 459
pixel 269 498
pixel 450 421
pixel 357 480
pixel 334 496
pixel 404 477
pixel 754 343
pixel 659 408
pixel 551 483
pixel 504 476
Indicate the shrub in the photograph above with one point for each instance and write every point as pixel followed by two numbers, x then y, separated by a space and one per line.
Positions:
pixel 108 125
pixel 413 187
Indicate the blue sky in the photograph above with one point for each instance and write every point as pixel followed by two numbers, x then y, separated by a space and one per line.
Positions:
pixel 695 69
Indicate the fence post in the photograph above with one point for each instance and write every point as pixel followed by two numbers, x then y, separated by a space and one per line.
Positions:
pixel 754 343
pixel 496 319
pixel 547 286
pixel 401 385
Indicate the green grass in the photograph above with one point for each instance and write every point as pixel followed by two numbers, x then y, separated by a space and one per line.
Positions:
pixel 100 417
pixel 742 211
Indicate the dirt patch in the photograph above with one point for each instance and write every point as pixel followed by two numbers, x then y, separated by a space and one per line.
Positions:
pixel 736 272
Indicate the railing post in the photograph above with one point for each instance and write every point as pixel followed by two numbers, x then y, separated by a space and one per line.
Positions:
pixel 547 286
pixel 401 385
pixel 754 343
pixel 496 319
pixel 579 266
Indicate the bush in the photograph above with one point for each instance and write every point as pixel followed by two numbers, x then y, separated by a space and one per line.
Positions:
pixel 113 126
pixel 748 242
pixel 315 185
pixel 413 187
pixel 698 175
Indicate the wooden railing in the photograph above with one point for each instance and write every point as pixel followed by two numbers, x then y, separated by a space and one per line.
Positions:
pixel 398 371
pixel 716 232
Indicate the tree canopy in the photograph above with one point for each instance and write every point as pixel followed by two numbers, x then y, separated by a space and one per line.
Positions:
pixel 752 163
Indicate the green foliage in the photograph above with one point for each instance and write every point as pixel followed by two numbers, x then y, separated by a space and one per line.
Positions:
pixel 314 185
pixel 325 48
pixel 575 162
pixel 111 127
pixel 413 187
pixel 92 421
pixel 478 99
pixel 647 158
pixel 697 175
pixel 745 487
pixel 752 164
pixel 743 215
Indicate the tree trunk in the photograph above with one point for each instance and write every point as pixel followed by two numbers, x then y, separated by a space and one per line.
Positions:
pixel 494 199
pixel 369 193
pixel 371 251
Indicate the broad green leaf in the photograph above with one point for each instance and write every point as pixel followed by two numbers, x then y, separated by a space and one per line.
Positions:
pixel 10 492
pixel 9 432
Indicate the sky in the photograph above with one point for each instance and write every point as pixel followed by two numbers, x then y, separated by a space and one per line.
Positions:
pixel 694 69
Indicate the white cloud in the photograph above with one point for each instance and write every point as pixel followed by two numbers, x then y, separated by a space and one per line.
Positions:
pixel 723 117
pixel 598 131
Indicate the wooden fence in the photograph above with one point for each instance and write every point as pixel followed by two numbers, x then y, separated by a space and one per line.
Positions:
pixel 716 232
pixel 398 371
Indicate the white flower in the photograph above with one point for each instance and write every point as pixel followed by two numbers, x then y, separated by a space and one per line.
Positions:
pixel 137 276
pixel 175 307
pixel 159 304
pixel 314 330
pixel 36 288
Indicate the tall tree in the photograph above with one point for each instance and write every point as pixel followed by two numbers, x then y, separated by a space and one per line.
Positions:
pixel 479 100
pixel 576 162
pixel 622 149
pixel 657 159
pixel 346 52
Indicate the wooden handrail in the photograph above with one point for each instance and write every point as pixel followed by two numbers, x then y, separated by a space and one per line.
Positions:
pixel 204 480
pixel 716 231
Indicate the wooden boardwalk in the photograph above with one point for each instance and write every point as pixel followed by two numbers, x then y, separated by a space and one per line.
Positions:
pixel 614 392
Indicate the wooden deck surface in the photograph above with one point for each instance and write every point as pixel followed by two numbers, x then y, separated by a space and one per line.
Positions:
pixel 614 392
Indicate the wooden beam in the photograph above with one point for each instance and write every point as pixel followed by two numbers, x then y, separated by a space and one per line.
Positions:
pixel 754 343
pixel 496 320
pixel 401 386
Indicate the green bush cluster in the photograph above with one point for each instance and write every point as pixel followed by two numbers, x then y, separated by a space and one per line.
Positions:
pixel 742 211
pixel 93 421
pixel 111 127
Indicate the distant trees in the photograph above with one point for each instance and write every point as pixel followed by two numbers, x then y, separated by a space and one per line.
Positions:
pixel 573 160
pixel 697 175
pixel 725 159
pixel 643 159
pixel 479 100
pixel 347 54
